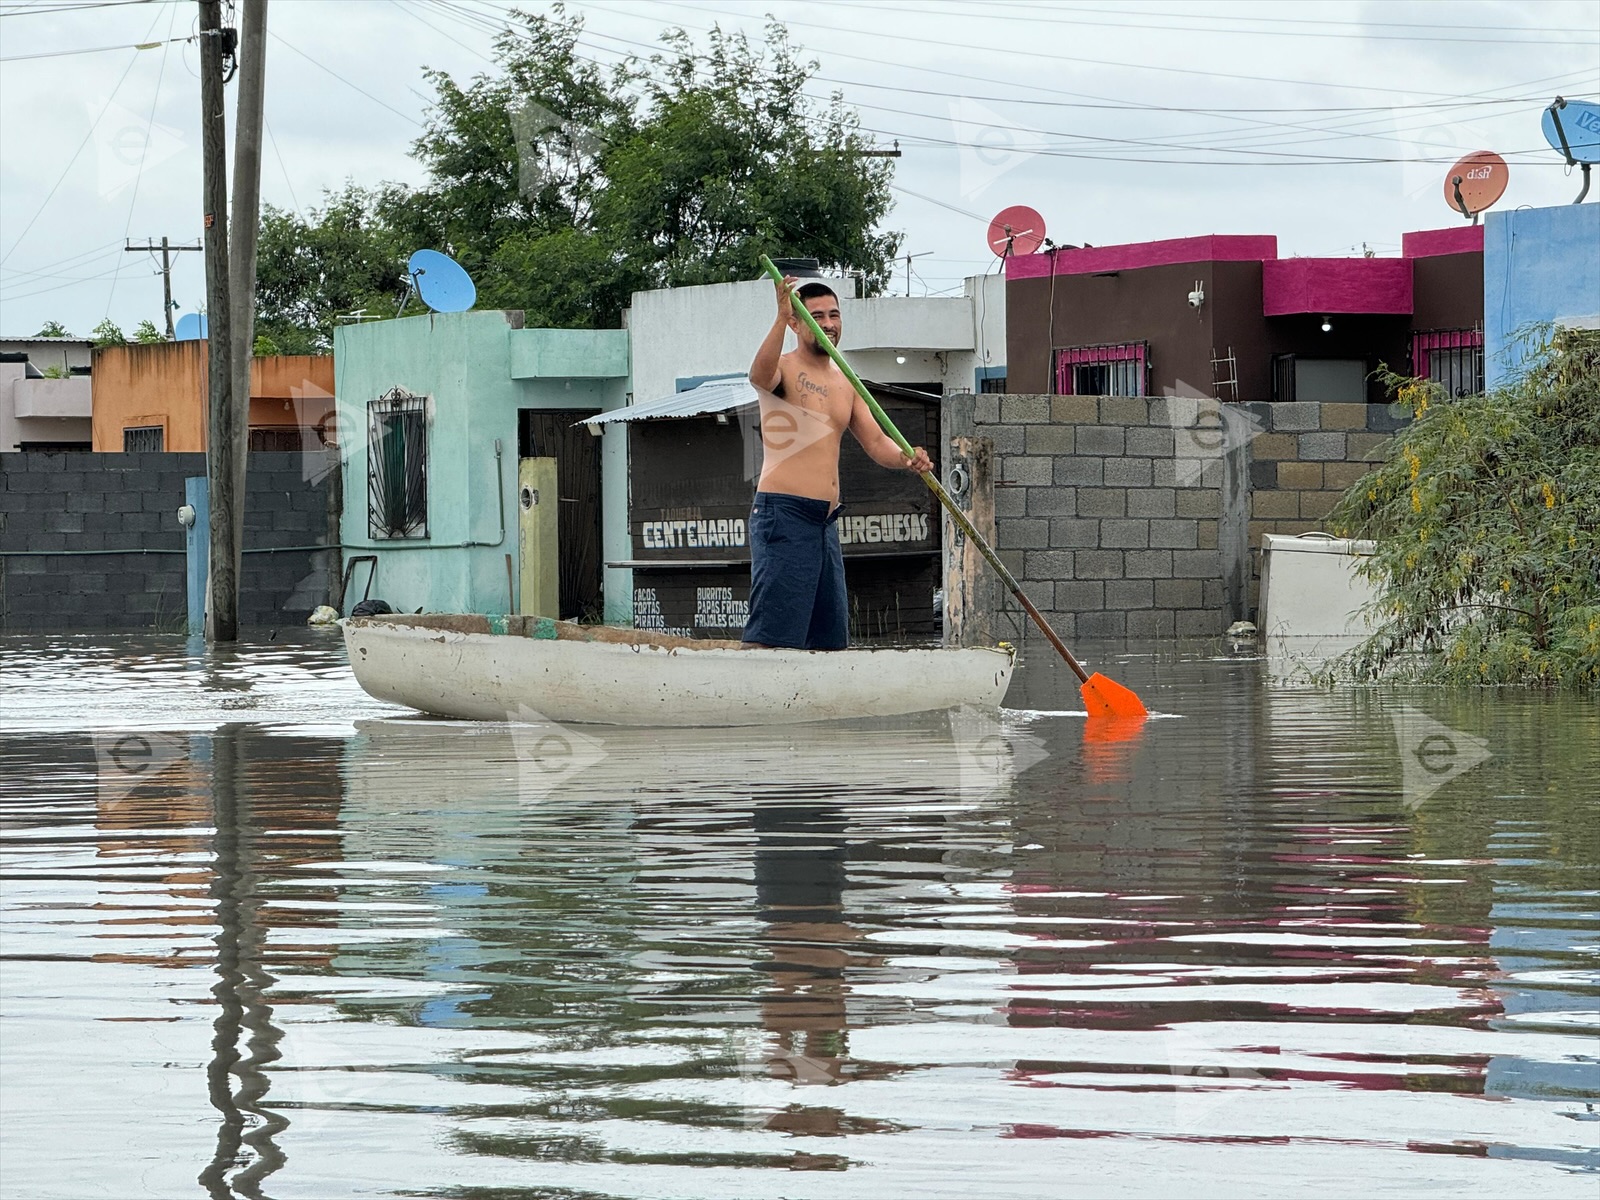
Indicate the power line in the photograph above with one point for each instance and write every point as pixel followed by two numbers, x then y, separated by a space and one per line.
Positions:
pixel 93 50
pixel 278 37
pixel 1034 19
pixel 1289 20
pixel 1296 158
pixel 289 183
pixel 29 10
pixel 144 150
pixel 92 127
pixel 1047 56
pixel 1129 105
pixel 105 250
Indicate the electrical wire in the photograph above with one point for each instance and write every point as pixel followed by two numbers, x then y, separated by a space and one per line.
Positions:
pixel 1045 55
pixel 29 10
pixel 289 183
pixel 1334 160
pixel 86 137
pixel 1273 20
pixel 278 37
pixel 91 50
pixel 12 299
pixel 144 150
pixel 1034 19
pixel 43 271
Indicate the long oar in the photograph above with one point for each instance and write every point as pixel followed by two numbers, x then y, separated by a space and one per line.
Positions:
pixel 1101 696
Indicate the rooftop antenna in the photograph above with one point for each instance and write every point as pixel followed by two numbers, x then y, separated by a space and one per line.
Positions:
pixel 1475 183
pixel 440 281
pixel 1016 230
pixel 1573 127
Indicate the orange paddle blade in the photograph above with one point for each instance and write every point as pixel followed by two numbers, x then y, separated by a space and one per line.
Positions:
pixel 1104 697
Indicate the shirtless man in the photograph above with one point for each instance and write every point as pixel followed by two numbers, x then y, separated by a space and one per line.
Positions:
pixel 797 593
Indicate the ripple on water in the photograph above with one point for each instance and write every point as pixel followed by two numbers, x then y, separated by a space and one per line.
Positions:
pixel 877 960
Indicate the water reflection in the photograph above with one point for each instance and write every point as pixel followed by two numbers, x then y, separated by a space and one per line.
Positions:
pixel 237 1083
pixel 332 951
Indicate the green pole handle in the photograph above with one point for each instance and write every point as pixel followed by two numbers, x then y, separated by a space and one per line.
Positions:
pixel 928 477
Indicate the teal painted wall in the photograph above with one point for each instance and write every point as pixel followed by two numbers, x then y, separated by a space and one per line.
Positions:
pixel 468 366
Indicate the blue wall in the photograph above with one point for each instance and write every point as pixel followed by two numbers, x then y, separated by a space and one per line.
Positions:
pixel 1539 264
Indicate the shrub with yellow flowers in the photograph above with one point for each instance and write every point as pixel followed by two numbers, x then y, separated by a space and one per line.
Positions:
pixel 1486 515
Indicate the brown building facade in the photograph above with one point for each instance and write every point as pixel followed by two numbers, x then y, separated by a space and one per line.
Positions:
pixel 1224 317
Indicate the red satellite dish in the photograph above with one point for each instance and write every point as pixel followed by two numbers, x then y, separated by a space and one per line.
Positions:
pixel 1016 230
pixel 1475 183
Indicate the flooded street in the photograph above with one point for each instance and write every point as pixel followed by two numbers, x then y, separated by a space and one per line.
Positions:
pixel 266 937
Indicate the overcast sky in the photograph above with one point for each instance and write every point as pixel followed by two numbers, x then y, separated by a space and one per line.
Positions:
pixel 1328 124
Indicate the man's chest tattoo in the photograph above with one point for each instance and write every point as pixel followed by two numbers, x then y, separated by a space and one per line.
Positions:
pixel 810 389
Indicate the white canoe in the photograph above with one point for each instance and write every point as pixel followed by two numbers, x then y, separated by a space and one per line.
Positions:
pixel 532 669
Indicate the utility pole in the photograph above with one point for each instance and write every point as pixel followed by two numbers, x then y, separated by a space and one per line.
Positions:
pixel 242 243
pixel 222 591
pixel 167 250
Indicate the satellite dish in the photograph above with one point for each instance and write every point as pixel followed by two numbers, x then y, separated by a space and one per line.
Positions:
pixel 440 281
pixel 1016 230
pixel 1475 183
pixel 191 327
pixel 1573 127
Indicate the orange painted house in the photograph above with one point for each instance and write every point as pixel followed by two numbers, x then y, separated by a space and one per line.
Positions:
pixel 154 398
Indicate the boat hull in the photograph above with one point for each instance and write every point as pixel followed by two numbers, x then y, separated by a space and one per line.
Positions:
pixel 528 669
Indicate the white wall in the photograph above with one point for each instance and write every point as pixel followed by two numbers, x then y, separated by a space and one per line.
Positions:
pixel 42 410
pixel 680 333
pixel 45 353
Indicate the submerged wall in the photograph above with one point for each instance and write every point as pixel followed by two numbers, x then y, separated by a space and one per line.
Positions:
pixel 1142 517
pixel 92 541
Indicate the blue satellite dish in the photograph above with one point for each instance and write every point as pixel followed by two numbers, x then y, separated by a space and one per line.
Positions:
pixel 1579 121
pixel 440 281
pixel 191 327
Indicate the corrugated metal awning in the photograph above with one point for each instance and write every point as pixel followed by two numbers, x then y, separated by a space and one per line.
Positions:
pixel 725 395
pixel 714 396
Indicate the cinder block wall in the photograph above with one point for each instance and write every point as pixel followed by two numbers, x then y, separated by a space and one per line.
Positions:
pixel 1120 521
pixel 1304 459
pixel 92 541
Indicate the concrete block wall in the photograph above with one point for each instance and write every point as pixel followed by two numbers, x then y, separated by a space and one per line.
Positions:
pixel 1304 459
pixel 1119 519
pixel 92 541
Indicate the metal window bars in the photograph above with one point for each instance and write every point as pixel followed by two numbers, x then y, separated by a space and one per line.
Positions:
pixel 397 465
pixel 1111 369
pixel 144 439
pixel 1452 358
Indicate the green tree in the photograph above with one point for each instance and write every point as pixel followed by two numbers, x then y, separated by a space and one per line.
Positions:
pixel 730 159
pixel 563 186
pixel 53 329
pixel 107 333
pixel 341 257
pixel 147 334
pixel 1486 514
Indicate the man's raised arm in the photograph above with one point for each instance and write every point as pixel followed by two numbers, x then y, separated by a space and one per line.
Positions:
pixel 764 371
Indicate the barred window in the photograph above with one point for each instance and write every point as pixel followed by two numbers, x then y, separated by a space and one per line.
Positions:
pixel 1452 358
pixel 1109 370
pixel 144 437
pixel 397 466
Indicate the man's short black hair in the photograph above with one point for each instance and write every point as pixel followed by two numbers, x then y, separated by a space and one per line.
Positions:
pixel 810 291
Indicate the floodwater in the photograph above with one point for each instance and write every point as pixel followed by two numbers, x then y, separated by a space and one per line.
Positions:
pixel 266 937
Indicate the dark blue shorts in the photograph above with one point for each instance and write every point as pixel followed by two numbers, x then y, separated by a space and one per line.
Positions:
pixel 797 595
